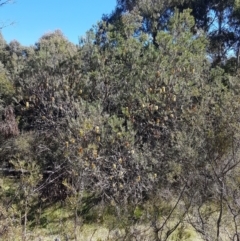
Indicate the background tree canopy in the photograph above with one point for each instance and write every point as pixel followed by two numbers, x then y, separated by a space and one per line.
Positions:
pixel 140 120
pixel 218 19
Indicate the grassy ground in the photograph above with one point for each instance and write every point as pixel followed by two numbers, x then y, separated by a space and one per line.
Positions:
pixel 99 224
pixel 58 222
pixel 92 233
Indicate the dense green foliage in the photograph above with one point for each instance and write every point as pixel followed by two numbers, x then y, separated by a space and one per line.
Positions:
pixel 140 120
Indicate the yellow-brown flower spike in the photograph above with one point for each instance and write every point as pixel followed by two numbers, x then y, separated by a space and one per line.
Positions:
pixel 72 140
pixel 113 203
pixel 67 144
pixel 81 132
pixel 80 150
pixel 174 98
pixel 158 74
pixel 97 130
pixel 138 179
pixel 27 104
pixel 95 153
pixel 163 89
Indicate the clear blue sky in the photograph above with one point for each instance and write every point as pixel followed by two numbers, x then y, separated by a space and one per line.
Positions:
pixel 34 18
